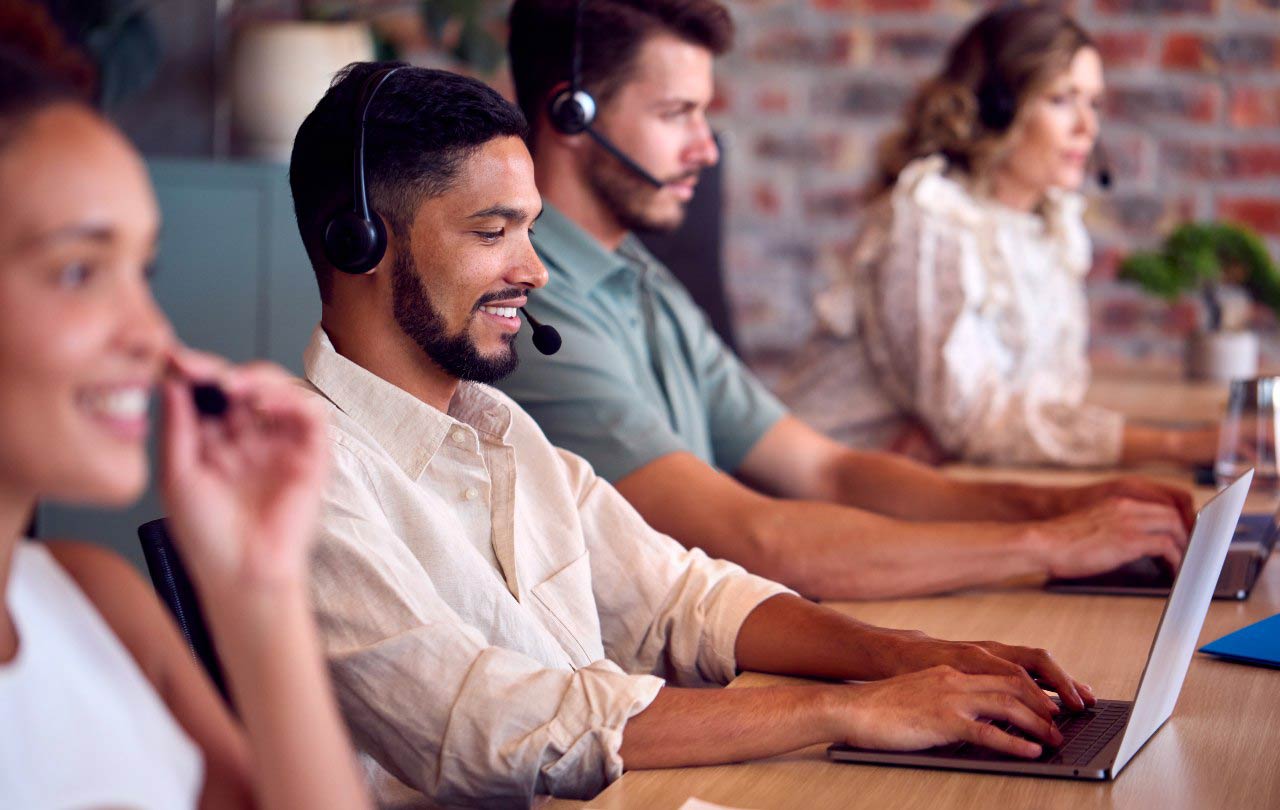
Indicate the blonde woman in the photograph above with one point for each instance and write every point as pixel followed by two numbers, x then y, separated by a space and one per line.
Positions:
pixel 961 316
pixel 102 703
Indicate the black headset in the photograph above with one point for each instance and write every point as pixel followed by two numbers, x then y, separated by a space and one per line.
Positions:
pixel 998 104
pixel 572 111
pixel 356 240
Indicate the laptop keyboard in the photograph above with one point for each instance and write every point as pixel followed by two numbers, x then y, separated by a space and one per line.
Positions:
pixel 1084 734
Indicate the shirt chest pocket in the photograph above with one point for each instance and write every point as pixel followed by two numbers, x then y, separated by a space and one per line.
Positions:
pixel 569 608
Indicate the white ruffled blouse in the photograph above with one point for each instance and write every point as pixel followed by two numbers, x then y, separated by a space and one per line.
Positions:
pixel 969 316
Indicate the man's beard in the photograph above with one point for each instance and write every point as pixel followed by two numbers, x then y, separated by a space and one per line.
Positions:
pixel 625 194
pixel 455 354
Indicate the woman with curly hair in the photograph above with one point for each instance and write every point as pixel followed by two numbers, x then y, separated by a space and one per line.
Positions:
pixel 958 327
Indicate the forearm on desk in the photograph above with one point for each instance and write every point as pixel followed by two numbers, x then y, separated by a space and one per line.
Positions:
pixel 787 635
pixel 688 727
pixel 834 552
pixel 899 487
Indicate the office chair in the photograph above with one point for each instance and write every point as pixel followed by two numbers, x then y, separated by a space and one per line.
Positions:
pixel 169 578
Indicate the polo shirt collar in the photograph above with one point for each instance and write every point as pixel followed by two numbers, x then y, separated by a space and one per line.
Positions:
pixel 409 430
pixel 575 252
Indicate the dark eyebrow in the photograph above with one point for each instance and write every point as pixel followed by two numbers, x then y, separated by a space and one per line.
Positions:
pixel 515 215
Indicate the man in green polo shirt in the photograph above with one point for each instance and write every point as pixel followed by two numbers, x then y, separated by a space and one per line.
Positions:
pixel 646 391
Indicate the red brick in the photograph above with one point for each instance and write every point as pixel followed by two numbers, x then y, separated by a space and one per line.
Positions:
pixel 773 100
pixel 766 199
pixel 1262 213
pixel 804 48
pixel 804 147
pixel 1255 160
pixel 1187 52
pixel 1254 107
pixel 1238 53
pixel 1163 102
pixel 1201 161
pixel 918 47
pixel 1157 7
pixel 1247 52
pixel 1124 49
pixel 722 99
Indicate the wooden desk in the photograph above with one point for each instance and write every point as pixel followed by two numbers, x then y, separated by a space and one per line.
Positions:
pixel 1205 756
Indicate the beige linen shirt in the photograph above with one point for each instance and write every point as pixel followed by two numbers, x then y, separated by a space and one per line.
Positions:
pixel 492 611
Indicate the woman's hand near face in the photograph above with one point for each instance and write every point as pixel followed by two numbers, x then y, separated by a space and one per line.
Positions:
pixel 243 492
pixel 242 489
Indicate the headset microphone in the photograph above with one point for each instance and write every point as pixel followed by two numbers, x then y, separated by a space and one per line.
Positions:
pixel 1103 166
pixel 545 338
pixel 624 158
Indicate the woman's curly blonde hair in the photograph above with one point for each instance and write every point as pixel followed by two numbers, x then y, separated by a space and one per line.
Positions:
pixel 1021 47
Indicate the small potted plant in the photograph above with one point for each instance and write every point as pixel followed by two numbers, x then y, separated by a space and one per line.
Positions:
pixel 1216 261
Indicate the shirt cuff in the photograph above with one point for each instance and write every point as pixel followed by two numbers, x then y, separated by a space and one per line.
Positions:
pixel 738 596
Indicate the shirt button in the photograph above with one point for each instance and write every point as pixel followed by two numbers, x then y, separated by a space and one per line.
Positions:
pixel 471 493
pixel 459 436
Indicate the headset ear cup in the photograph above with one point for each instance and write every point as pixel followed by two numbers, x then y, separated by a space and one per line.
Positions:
pixel 996 106
pixel 354 244
pixel 571 111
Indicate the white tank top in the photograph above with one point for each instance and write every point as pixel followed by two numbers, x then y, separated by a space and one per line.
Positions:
pixel 80 725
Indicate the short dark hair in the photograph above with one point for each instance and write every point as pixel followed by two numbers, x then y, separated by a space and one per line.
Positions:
pixel 542 34
pixel 422 126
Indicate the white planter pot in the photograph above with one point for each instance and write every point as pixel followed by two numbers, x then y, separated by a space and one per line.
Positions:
pixel 279 70
pixel 1222 356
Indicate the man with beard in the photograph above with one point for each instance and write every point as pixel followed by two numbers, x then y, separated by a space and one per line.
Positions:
pixel 645 390
pixel 498 621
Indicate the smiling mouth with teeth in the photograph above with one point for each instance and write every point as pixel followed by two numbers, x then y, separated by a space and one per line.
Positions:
pixel 501 312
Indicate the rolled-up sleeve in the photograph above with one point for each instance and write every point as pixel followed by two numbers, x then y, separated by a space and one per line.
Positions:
pixel 664 609
pixel 429 699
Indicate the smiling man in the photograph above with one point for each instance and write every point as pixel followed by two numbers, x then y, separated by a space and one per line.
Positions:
pixel 498 620
pixel 647 392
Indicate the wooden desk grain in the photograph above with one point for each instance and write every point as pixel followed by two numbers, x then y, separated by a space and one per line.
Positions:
pixel 1221 748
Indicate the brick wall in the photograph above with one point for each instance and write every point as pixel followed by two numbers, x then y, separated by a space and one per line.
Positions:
pixel 1192 127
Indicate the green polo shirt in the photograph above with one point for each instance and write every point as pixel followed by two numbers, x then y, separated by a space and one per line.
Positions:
pixel 641 373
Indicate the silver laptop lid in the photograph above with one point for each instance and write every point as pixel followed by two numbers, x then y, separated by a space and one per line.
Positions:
pixel 1184 613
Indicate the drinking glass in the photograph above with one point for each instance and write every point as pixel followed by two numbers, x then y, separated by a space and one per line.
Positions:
pixel 1247 437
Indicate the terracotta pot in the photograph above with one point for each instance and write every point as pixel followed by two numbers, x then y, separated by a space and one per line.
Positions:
pixel 279 70
pixel 1222 356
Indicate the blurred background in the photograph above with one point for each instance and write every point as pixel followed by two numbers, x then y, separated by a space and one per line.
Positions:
pixel 212 91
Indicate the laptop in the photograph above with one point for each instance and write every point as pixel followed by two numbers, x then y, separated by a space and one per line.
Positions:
pixel 1099 742
pixel 1251 546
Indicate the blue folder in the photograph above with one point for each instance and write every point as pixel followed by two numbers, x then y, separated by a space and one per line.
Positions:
pixel 1256 644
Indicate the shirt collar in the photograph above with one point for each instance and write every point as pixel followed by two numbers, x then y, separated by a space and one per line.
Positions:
pixel 562 242
pixel 406 428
